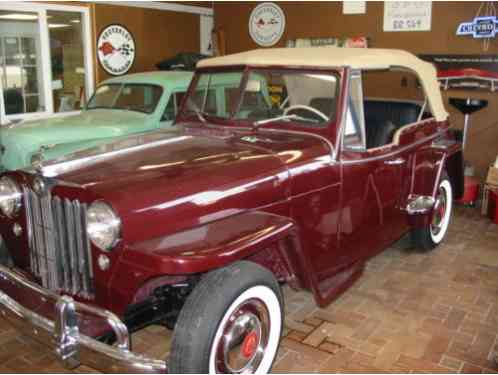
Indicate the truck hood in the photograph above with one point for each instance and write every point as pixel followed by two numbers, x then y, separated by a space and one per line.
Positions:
pixel 21 141
pixel 180 180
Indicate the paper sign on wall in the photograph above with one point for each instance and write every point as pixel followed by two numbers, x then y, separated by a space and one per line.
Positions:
pixel 354 7
pixel 407 15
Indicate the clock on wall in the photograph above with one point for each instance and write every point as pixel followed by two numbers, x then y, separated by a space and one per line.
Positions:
pixel 116 49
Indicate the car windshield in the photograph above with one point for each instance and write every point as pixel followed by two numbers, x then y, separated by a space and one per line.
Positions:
pixel 265 96
pixel 131 97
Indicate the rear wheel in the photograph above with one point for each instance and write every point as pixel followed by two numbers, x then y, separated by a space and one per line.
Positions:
pixel 230 323
pixel 430 236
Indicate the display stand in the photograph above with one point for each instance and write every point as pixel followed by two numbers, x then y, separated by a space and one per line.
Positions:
pixel 468 106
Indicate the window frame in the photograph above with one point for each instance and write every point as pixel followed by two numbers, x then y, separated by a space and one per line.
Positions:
pixel 122 85
pixel 355 78
pixel 46 68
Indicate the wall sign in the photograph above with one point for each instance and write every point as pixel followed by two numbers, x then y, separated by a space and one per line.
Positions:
pixel 407 15
pixel 480 27
pixel 266 24
pixel 116 49
pixel 466 71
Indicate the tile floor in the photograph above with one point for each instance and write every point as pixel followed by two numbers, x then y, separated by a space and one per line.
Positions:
pixel 409 312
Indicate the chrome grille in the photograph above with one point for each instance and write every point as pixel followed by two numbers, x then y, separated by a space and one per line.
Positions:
pixel 60 252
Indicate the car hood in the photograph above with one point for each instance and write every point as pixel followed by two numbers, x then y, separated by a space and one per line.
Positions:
pixel 22 140
pixel 181 180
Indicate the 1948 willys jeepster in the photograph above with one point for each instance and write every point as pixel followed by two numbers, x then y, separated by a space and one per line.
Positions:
pixel 195 229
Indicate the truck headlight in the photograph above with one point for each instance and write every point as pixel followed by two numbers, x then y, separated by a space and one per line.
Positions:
pixel 103 226
pixel 10 197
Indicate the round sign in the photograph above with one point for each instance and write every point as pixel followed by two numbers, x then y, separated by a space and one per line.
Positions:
pixel 116 49
pixel 266 24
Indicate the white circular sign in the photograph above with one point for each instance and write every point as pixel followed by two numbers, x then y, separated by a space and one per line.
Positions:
pixel 116 49
pixel 267 24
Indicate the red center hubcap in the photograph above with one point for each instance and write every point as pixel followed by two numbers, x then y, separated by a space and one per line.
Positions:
pixel 249 345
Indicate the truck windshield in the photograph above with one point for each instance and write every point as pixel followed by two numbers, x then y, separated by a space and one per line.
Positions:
pixel 131 97
pixel 266 96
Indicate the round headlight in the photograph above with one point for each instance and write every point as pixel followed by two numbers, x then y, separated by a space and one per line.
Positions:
pixel 10 197
pixel 103 226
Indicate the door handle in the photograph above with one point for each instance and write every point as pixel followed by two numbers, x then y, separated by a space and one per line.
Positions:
pixel 397 161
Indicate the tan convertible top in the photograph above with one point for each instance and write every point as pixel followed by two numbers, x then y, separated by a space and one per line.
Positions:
pixel 360 58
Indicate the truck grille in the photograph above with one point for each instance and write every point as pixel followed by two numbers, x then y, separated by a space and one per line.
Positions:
pixel 60 253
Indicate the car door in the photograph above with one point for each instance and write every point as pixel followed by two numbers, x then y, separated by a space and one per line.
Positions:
pixel 371 184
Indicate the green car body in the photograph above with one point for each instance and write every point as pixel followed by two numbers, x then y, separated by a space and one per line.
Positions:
pixel 57 136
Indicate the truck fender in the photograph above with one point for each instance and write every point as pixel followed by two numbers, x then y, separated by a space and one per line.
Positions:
pixel 210 246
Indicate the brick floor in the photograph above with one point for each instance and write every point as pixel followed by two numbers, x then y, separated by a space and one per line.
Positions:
pixel 410 312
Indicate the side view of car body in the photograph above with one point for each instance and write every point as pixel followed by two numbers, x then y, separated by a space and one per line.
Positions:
pixel 196 227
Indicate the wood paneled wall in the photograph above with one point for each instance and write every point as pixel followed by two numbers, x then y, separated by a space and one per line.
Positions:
pixel 158 34
pixel 325 19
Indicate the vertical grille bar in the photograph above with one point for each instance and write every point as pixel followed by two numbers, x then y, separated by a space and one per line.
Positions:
pixel 60 252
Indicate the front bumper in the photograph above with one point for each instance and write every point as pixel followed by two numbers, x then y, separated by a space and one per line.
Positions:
pixel 59 328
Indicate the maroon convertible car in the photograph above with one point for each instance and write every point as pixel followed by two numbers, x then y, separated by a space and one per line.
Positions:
pixel 196 228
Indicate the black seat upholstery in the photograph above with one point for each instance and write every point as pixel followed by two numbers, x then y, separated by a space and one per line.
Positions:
pixel 382 135
pixel 383 118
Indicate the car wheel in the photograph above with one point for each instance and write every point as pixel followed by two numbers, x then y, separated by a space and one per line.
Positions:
pixel 433 234
pixel 230 323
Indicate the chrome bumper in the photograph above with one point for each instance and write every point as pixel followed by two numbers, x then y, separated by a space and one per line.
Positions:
pixel 62 333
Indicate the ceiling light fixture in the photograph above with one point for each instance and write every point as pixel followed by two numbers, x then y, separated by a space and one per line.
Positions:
pixel 57 25
pixel 19 17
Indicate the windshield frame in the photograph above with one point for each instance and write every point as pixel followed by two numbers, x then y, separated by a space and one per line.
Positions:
pixel 231 121
pixel 122 85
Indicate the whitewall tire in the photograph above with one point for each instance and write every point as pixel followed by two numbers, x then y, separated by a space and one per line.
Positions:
pixel 430 236
pixel 230 323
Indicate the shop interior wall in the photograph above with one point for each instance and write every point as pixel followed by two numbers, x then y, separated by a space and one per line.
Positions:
pixel 316 19
pixel 158 34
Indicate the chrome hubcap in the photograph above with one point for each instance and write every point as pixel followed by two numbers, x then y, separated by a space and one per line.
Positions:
pixel 439 212
pixel 244 340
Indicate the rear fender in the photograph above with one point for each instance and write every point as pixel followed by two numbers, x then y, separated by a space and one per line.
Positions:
pixel 429 165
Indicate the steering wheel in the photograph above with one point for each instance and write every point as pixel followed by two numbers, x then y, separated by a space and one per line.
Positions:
pixel 308 108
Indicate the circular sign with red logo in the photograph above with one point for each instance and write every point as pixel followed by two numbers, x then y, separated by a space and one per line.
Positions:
pixel 116 49
pixel 267 24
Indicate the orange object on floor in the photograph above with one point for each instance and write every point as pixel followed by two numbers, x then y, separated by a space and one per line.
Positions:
pixel 471 191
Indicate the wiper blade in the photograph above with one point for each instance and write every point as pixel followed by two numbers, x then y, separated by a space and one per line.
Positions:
pixel 283 118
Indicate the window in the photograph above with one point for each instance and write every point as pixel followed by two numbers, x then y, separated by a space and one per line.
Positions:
pixel 132 97
pixel 354 134
pixel 20 63
pixel 309 98
pixel 45 59
pixel 67 60
pixel 392 99
pixel 204 100
pixel 171 109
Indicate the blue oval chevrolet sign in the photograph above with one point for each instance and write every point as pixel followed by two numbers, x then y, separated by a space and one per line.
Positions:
pixel 480 27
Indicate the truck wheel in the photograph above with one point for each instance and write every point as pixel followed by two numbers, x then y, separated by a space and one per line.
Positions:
pixel 230 323
pixel 430 236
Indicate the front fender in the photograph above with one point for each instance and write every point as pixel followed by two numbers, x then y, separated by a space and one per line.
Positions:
pixel 209 246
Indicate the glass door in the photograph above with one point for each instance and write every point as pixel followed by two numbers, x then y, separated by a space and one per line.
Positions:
pixel 21 63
